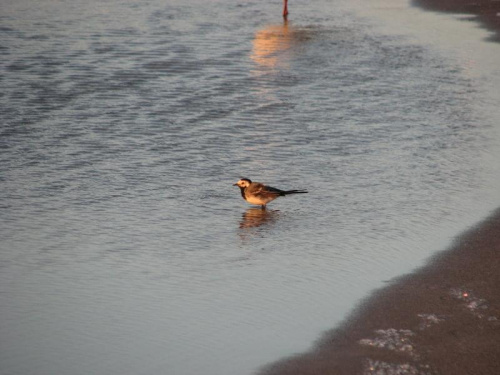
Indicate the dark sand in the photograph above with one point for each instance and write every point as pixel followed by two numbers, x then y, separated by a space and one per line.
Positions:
pixel 442 319
pixel 485 11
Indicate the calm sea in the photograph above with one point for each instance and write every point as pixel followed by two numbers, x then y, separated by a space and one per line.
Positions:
pixel 124 247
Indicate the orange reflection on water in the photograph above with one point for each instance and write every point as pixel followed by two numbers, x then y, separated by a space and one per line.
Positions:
pixel 256 222
pixel 256 217
pixel 270 43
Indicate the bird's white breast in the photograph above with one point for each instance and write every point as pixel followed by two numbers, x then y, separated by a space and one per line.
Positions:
pixel 254 200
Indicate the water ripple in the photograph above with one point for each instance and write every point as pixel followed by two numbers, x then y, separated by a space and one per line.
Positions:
pixel 124 126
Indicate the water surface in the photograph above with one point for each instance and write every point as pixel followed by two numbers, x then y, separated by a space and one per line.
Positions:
pixel 125 249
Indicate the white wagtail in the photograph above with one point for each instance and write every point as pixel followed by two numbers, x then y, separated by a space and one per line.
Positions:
pixel 260 194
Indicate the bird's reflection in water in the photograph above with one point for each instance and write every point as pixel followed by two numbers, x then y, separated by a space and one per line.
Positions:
pixel 256 217
pixel 254 221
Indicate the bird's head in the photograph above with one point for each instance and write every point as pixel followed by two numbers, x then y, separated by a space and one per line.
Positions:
pixel 243 183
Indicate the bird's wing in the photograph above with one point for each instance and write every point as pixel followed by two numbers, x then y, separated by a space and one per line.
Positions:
pixel 262 190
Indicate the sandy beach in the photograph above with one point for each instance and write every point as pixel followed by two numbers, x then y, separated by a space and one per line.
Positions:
pixel 485 10
pixel 442 319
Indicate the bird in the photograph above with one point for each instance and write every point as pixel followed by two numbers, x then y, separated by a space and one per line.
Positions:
pixel 259 194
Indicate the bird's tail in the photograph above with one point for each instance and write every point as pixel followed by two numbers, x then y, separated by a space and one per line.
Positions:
pixel 295 192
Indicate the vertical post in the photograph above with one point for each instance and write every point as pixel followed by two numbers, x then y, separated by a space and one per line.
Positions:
pixel 285 8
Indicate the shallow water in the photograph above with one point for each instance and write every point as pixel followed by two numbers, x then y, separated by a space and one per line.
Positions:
pixel 125 249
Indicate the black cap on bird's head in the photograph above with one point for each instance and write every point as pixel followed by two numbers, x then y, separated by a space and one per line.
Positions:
pixel 243 182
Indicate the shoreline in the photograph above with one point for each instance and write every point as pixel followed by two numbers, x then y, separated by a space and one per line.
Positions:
pixel 485 11
pixel 443 318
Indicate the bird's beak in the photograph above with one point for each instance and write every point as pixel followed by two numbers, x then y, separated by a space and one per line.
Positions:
pixel 235 184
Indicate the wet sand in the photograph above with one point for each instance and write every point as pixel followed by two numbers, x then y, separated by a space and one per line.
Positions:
pixel 486 11
pixel 442 319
